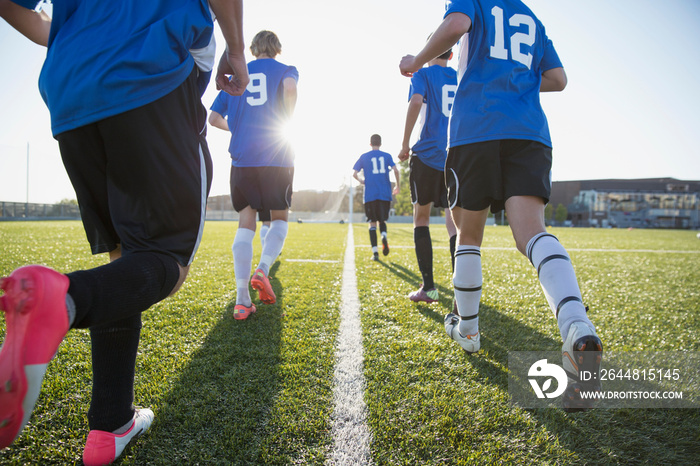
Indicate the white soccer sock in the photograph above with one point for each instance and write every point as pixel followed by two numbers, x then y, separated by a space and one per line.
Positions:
pixel 242 262
pixel 467 282
pixel 274 241
pixel 263 233
pixel 558 280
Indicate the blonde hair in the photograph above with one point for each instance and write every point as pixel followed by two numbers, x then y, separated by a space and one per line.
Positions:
pixel 265 43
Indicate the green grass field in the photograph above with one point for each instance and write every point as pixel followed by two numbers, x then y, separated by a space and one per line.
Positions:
pixel 260 391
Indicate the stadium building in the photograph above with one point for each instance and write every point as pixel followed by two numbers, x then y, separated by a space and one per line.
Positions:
pixel 641 203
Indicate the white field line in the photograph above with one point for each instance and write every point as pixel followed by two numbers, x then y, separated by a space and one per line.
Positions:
pixel 660 251
pixel 350 432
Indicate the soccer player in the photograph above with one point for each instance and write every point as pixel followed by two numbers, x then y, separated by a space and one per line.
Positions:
pixel 264 218
pixel 430 97
pixel 131 132
pixel 500 156
pixel 375 166
pixel 262 164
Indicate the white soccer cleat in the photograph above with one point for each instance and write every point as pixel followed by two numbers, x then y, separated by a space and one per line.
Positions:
pixel 582 351
pixel 470 343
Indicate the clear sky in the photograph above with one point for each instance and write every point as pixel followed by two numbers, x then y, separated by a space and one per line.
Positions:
pixel 631 109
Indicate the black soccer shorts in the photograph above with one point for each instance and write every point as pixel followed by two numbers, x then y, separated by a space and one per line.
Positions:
pixel 261 188
pixel 142 178
pixel 427 184
pixel 488 173
pixel 377 211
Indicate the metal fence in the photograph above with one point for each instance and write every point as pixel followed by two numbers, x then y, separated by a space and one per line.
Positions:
pixel 26 211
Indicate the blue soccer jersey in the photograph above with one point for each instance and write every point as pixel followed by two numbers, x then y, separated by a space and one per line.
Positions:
pixel 256 118
pixel 498 95
pixel 105 58
pixel 438 85
pixel 376 165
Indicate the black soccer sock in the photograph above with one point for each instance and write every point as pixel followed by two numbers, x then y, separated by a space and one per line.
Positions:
pixel 453 248
pixel 382 228
pixel 114 349
pixel 373 237
pixel 424 254
pixel 121 289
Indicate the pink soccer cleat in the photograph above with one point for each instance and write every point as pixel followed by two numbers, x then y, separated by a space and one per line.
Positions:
pixel 261 283
pixel 104 447
pixel 36 322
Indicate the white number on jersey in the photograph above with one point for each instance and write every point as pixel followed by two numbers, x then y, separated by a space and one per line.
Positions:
pixel 378 169
pixel 498 49
pixel 258 87
pixel 448 98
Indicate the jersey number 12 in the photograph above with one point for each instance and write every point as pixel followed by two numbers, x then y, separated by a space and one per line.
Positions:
pixel 498 49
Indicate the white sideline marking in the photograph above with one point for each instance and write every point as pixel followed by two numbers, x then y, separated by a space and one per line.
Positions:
pixel 350 432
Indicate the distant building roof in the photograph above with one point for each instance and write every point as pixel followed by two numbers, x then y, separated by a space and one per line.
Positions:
pixel 563 192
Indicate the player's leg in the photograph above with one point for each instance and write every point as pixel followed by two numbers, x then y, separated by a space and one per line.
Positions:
pixel 467 275
pixel 277 198
pixel 554 268
pixel 424 253
pixel 144 181
pixel 452 234
pixel 472 180
pixel 425 184
pixel 274 242
pixel 148 234
pixel 372 217
pixel 526 194
pixel 373 240
pixel 264 217
pixel 385 239
pixel 246 199
pixel 114 349
pixel 382 214
pixel 242 250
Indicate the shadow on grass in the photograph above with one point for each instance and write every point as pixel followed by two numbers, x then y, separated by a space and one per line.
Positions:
pixel 218 409
pixel 597 436
pixel 410 276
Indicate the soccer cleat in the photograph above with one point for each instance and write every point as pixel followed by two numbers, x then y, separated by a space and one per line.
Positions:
pixel 428 296
pixel 470 343
pixel 385 246
pixel 375 256
pixel 241 312
pixel 104 447
pixel 582 351
pixel 36 322
pixel 262 284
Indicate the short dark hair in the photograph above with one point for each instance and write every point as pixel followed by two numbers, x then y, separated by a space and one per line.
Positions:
pixel 446 55
pixel 375 140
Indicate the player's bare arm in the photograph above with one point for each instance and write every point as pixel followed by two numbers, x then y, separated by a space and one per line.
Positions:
pixel 217 120
pixel 453 27
pixel 397 176
pixel 355 175
pixel 34 25
pixel 229 14
pixel 289 96
pixel 414 107
pixel 553 80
